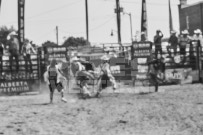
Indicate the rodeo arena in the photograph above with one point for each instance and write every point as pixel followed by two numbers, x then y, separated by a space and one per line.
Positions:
pixel 138 88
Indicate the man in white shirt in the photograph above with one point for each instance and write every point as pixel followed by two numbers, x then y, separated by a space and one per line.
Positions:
pixel 27 48
pixel 198 36
pixel 13 49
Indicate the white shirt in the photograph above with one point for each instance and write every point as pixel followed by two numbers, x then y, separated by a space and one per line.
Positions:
pixel 28 48
pixel 81 67
pixel 200 38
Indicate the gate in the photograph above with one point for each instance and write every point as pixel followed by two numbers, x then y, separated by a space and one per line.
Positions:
pixel 22 81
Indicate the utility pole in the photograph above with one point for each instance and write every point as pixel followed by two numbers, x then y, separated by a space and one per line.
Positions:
pixel 57 36
pixel 87 24
pixel 131 27
pixel 117 11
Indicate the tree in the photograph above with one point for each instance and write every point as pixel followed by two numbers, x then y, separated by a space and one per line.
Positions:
pixel 4 31
pixel 75 42
pixel 48 44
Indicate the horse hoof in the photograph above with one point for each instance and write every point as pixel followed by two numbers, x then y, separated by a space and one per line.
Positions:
pixel 85 96
pixel 97 95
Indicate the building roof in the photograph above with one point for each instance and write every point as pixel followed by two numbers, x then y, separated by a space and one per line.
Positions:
pixel 194 4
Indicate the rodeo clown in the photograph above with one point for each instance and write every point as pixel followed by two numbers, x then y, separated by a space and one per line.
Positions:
pixel 54 78
pixel 82 74
pixel 106 74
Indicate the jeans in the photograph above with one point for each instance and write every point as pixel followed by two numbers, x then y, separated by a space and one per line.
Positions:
pixel 13 54
pixel 28 60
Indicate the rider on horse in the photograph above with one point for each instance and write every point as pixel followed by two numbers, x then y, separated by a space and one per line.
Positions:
pixel 83 73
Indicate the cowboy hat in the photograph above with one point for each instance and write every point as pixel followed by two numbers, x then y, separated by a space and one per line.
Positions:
pixel 173 32
pixel 105 57
pixel 74 59
pixel 13 33
pixel 198 31
pixel 185 32
pixel 142 33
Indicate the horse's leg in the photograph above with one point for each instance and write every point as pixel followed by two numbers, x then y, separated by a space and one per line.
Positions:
pixel 99 87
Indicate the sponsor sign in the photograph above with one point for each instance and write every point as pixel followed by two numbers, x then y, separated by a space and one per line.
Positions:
pixel 141 51
pixel 14 86
pixel 56 52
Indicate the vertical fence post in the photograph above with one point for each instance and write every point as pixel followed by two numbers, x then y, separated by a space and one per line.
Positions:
pixel 39 67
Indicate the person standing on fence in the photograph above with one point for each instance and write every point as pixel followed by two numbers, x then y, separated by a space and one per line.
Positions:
pixel 1 55
pixel 27 48
pixel 13 49
pixel 156 71
pixel 183 41
pixel 173 41
pixel 53 77
pixel 157 42
pixel 198 36
pixel 143 37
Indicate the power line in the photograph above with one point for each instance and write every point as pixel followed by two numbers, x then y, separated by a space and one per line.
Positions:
pixel 46 34
pixel 52 10
pixel 92 29
pixel 49 11
pixel 102 24
pixel 63 20
pixel 148 3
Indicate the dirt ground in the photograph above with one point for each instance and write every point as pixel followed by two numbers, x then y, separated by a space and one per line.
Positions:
pixel 176 110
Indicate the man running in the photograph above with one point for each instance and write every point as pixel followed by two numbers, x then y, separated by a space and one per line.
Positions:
pixel 156 71
pixel 106 74
pixel 52 77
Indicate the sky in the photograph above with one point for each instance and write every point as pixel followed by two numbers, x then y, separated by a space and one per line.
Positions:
pixel 42 17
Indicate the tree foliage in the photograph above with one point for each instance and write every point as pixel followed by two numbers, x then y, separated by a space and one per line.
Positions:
pixel 75 41
pixel 48 44
pixel 4 31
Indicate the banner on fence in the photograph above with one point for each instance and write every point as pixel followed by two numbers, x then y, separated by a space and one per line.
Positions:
pixel 13 81
pixel 56 52
pixel 15 86
pixel 141 52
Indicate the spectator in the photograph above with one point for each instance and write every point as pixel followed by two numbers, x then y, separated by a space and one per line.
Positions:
pixel 1 55
pixel 13 49
pixel 183 41
pixel 143 37
pixel 198 36
pixel 157 42
pixel 173 41
pixel 26 51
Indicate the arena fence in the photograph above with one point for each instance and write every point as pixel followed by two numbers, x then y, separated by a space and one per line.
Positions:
pixel 180 67
pixel 23 80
